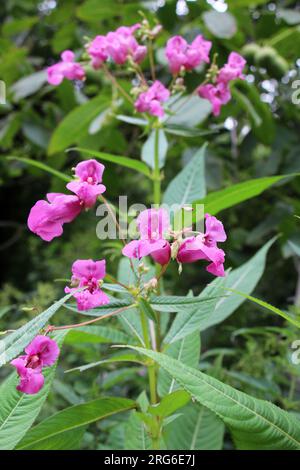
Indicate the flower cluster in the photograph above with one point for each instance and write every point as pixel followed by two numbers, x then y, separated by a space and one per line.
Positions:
pixel 218 93
pixel 66 68
pixel 182 56
pixel 88 275
pixel 46 218
pixel 122 48
pixel 118 46
pixel 150 101
pixel 154 228
pixel 41 352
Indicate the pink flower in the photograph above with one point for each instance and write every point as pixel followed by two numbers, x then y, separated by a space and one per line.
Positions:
pixel 46 219
pixel 87 274
pixel 150 101
pixel 153 225
pixel 218 95
pixel 121 45
pixel 98 51
pixel 233 69
pixel 180 54
pixel 87 187
pixel 204 247
pixel 41 352
pixel 67 68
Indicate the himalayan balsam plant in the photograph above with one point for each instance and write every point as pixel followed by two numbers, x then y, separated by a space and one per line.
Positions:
pixel 182 406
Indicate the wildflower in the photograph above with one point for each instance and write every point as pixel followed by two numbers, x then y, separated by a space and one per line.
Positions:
pixel 180 54
pixel 46 218
pixel 150 101
pixel 232 69
pixel 153 225
pixel 218 95
pixel 88 274
pixel 97 49
pixel 87 185
pixel 41 352
pixel 122 45
pixel 204 247
pixel 67 68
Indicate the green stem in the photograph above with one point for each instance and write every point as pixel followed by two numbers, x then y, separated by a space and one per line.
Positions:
pixel 156 173
pixel 151 368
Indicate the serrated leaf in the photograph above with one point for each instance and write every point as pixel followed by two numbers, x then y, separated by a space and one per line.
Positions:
pixel 187 351
pixel 14 343
pixel 216 310
pixel 197 428
pixel 18 410
pixel 188 111
pixel 170 403
pixel 136 436
pixel 53 432
pixel 254 423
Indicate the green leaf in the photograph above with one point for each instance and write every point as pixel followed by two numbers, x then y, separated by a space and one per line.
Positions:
pixel 128 357
pixel 18 410
pixel 214 311
pixel 188 112
pixel 148 149
pixel 28 85
pixel 96 334
pixel 170 403
pixel 42 166
pixel 268 306
pixel 136 436
pixel 123 161
pixel 189 184
pixel 245 3
pixel 187 351
pixel 132 120
pixel 221 25
pixel 188 131
pixel 147 309
pixel 260 115
pixel 254 423
pixel 14 343
pixel 113 305
pixel 203 430
pixel 244 278
pixel 51 433
pixel 75 124
pixel 93 10
pixel 189 320
pixel 232 195
pixel 175 303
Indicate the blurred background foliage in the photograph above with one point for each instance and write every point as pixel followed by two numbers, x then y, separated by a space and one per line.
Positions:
pixel 257 134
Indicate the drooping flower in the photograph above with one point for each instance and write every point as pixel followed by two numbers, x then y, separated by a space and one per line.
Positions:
pixel 218 95
pixel 41 352
pixel 66 68
pixel 180 54
pixel 204 247
pixel 153 226
pixel 87 187
pixel 97 49
pixel 46 219
pixel 150 101
pixel 233 69
pixel 87 274
pixel 122 45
